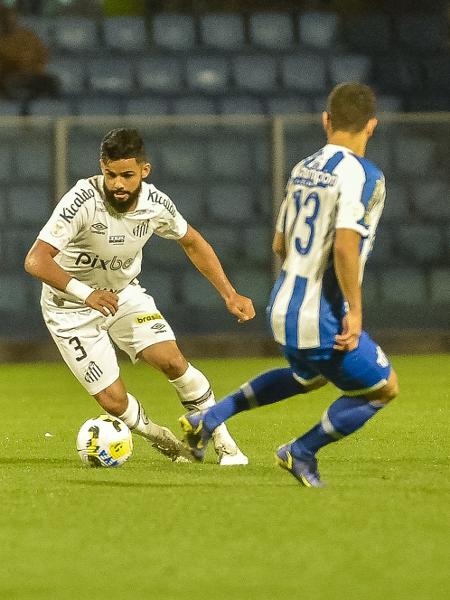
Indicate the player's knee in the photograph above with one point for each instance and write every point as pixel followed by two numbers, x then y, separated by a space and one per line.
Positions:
pixel 391 389
pixel 173 365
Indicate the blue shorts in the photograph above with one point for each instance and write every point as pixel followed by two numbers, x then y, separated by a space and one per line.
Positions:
pixel 357 372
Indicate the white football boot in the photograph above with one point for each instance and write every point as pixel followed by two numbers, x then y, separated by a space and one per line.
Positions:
pixel 227 450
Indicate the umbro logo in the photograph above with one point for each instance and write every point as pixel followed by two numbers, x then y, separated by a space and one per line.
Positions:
pixel 98 228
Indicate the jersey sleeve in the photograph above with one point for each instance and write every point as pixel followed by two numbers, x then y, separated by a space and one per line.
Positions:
pixel 69 217
pixel 355 189
pixel 170 224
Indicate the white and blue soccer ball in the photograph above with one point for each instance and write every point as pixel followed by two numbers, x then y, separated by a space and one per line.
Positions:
pixel 104 441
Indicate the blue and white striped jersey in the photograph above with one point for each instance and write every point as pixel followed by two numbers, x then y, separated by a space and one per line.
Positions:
pixel 329 190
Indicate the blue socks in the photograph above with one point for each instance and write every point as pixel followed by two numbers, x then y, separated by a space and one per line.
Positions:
pixel 268 388
pixel 346 415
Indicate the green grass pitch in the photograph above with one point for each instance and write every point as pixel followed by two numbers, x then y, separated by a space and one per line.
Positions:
pixel 156 530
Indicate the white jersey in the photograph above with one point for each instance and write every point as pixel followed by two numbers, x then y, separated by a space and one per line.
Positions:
pixel 329 190
pixel 100 247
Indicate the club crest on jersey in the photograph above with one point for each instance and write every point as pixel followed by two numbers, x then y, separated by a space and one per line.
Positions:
pixel 141 229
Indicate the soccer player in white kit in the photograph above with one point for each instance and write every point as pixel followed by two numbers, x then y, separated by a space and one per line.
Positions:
pixel 89 255
pixel 324 234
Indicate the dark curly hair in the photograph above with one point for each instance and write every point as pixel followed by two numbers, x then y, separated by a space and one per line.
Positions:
pixel 122 143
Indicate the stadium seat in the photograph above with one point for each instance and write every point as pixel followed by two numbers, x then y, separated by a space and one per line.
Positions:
pixel 99 106
pixel 222 31
pixel 225 241
pixel 271 30
pixel 398 74
pixel 164 253
pixel 51 107
pixel 159 284
pixel 383 249
pixel 159 74
pixel 84 154
pixel 389 103
pixel 75 34
pixel 231 203
pixel 71 74
pixel 350 67
pixel 33 158
pixel 13 298
pixel 397 208
pixel 8 108
pixel 423 33
pixel 369 33
pixel 440 286
pixel 237 105
pixel 288 105
pixel 404 285
pixel 42 27
pixel 182 158
pixel 197 292
pixel 27 208
pixel 6 163
pixel 125 34
pixel 147 106
pixel 256 74
pixel 188 200
pixel 258 244
pixel 173 31
pixel 421 243
pixel 255 283
pixel 318 29
pixel 194 105
pixel 432 199
pixel 379 151
pixel 207 74
pixel 438 73
pixel 110 76
pixel 414 154
pixel 304 73
pixel 228 158
pixel 19 237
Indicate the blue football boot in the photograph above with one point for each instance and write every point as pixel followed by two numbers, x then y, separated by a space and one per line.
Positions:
pixel 196 435
pixel 303 469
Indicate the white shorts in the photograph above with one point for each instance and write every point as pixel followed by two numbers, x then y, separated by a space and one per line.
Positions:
pixel 85 337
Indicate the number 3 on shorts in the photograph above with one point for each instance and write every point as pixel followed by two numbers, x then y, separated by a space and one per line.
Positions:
pixel 75 342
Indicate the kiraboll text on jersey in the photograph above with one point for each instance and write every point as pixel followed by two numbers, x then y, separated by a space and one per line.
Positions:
pixel 103 248
pixel 329 190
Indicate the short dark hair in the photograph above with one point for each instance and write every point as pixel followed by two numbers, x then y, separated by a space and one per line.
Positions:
pixel 350 106
pixel 122 143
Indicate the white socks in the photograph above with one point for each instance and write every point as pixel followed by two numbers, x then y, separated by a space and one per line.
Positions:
pixel 137 420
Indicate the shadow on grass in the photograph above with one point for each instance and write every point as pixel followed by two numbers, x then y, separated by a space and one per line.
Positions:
pixel 17 460
pixel 172 484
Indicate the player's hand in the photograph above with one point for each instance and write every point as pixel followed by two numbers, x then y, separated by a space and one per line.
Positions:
pixel 241 307
pixel 348 340
pixel 104 301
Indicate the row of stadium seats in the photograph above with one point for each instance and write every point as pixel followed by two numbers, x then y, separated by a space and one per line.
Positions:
pixel 403 158
pixel 404 286
pixel 267 30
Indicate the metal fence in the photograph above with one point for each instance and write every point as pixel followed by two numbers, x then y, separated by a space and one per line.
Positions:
pixel 227 175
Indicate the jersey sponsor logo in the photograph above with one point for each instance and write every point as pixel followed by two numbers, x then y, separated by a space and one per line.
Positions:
pixel 314 177
pixel 93 372
pixel 117 240
pixel 98 228
pixel 95 262
pixel 159 327
pixel 70 211
pixel 146 318
pixel 158 199
pixel 141 229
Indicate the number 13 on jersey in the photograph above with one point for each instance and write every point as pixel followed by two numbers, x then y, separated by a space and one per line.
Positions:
pixel 307 208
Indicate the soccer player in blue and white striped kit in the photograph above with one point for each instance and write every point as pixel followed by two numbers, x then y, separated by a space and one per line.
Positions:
pixel 324 234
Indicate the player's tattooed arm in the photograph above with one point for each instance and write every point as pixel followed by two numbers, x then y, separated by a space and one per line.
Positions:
pixel 203 257
pixel 40 263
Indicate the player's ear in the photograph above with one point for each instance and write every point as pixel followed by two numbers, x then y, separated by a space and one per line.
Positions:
pixel 370 127
pixel 325 120
pixel 146 170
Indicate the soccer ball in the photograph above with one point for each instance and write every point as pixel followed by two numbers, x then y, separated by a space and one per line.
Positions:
pixel 104 442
